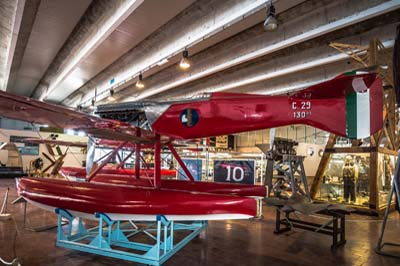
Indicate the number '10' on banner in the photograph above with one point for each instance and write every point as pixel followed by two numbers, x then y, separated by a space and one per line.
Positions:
pixel 234 171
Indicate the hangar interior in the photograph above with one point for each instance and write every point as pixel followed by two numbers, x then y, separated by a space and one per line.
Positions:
pixel 202 132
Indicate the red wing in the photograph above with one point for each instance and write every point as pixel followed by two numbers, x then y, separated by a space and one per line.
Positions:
pixel 34 111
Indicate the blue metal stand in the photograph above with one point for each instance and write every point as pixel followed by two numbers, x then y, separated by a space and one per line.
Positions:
pixel 109 235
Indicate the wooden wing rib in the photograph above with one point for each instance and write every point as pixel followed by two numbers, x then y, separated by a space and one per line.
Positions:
pixel 55 142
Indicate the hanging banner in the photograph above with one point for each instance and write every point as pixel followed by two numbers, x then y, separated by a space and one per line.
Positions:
pixel 234 171
pixel 194 166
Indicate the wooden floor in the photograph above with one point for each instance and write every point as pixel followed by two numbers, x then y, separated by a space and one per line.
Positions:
pixel 224 243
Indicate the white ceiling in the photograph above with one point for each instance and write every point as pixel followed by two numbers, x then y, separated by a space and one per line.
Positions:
pixel 54 21
pixel 154 25
pixel 148 17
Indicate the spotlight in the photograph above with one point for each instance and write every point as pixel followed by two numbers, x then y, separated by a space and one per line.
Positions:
pixel 162 62
pixel 271 23
pixel 185 62
pixel 93 102
pixel 111 98
pixel 139 83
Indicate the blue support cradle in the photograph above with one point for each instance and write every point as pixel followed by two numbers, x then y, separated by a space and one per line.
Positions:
pixel 151 243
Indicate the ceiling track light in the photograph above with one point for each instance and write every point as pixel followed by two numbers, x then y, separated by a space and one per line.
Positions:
pixel 140 83
pixel 271 23
pixel 111 98
pixel 185 62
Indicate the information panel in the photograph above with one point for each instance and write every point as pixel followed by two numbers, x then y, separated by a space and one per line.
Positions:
pixel 194 166
pixel 25 148
pixel 234 171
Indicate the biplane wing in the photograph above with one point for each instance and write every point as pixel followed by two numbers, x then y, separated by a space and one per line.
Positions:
pixel 120 202
pixel 78 144
pixel 349 105
pixel 34 111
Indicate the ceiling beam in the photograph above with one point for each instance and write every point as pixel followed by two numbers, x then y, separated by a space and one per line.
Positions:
pixel 10 20
pixel 29 14
pixel 252 44
pixel 234 58
pixel 98 22
pixel 201 21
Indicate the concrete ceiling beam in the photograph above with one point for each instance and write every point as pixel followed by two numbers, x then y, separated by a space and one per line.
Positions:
pixel 253 43
pixel 10 20
pixel 29 14
pixel 297 59
pixel 99 21
pixel 202 20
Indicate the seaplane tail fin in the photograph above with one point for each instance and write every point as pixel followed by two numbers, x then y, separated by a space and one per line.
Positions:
pixel 364 107
pixel 350 105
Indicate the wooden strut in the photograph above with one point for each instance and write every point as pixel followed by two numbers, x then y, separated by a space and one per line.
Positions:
pixel 322 165
pixel 56 164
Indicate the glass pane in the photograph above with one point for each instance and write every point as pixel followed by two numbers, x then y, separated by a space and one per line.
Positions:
pixel 346 179
pixel 386 165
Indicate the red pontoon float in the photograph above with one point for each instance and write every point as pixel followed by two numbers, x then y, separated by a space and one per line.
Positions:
pixel 84 199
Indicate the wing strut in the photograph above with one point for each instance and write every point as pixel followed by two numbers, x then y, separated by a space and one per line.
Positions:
pixel 122 163
pixel 137 155
pixel 98 169
pixel 157 162
pixel 181 163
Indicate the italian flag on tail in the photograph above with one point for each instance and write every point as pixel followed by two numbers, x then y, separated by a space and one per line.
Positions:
pixel 358 115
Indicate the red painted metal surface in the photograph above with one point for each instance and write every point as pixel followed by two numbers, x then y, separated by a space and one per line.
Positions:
pixel 123 180
pixel 216 187
pixel 94 197
pixel 322 106
pixel 121 177
pixel 183 185
pixel 80 172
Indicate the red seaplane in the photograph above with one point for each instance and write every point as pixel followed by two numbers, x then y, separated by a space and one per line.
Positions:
pixel 349 105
